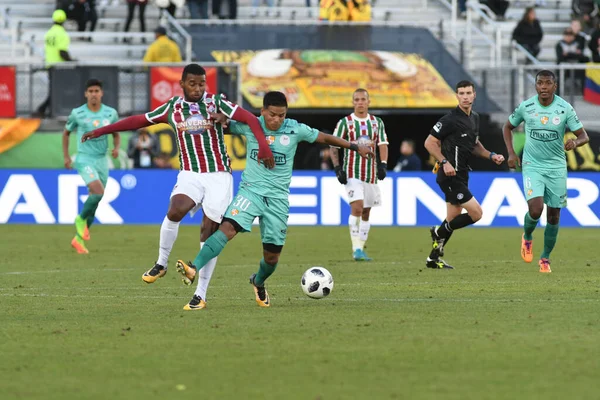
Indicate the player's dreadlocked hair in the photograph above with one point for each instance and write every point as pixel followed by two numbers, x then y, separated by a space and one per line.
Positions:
pixel 93 82
pixel 192 69
pixel 276 99
pixel 546 74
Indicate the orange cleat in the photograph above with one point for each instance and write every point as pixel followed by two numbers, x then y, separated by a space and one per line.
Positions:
pixel 526 249
pixel 545 266
pixel 78 245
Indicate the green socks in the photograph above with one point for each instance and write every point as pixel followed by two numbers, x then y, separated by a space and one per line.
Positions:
pixel 529 226
pixel 550 235
pixel 263 273
pixel 211 249
pixel 89 208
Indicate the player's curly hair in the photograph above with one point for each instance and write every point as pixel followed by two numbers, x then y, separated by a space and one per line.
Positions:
pixel 192 69
pixel 275 99
pixel 546 74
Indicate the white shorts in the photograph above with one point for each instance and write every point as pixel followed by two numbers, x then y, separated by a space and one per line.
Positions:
pixel 369 193
pixel 211 191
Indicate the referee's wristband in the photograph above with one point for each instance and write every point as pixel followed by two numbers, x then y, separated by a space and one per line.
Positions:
pixel 353 147
pixel 492 154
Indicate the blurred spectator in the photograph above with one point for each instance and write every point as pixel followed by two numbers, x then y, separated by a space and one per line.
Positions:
pixel 569 49
pixel 84 11
pixel 198 9
pixel 528 32
pixel 231 4
pixel 162 49
pixel 462 8
pixel 345 10
pixel 257 3
pixel 169 5
pixel 142 148
pixel 580 36
pixel 594 44
pixel 56 48
pixel 408 160
pixel 163 161
pixel 131 5
pixel 586 11
pixel 498 7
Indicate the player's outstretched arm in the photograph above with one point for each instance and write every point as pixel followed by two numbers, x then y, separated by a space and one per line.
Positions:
pixel 127 124
pixel 264 152
pixel 364 151
pixel 582 138
pixel 480 151
pixel 513 159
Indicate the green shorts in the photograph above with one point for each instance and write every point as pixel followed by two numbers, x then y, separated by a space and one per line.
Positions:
pixel 272 215
pixel 551 184
pixel 92 168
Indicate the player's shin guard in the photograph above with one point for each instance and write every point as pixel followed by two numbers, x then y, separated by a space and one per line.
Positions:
pixel 529 226
pixel 550 235
pixel 363 231
pixel 353 224
pixel 211 249
pixel 168 235
pixel 204 276
pixel 264 271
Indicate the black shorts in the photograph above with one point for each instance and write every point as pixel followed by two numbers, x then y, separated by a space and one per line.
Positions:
pixel 455 188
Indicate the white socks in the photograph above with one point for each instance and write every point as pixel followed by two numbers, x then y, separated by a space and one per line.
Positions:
pixel 204 276
pixel 168 235
pixel 363 232
pixel 353 225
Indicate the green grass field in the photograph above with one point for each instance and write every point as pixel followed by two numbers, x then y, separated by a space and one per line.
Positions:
pixel 87 327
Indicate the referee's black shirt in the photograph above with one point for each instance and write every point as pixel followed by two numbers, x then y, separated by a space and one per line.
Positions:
pixel 458 133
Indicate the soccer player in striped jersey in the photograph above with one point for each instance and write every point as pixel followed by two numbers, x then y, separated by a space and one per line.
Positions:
pixel 204 180
pixel 262 194
pixel 359 174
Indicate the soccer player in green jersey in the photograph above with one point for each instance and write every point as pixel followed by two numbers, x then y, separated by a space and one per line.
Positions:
pixel 204 180
pixel 90 162
pixel 263 194
pixel 546 117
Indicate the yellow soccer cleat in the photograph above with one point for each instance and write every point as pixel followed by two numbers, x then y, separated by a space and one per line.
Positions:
pixel 526 249
pixel 187 271
pixel 196 303
pixel 262 297
pixel 82 228
pixel 77 244
pixel 545 266
pixel 158 271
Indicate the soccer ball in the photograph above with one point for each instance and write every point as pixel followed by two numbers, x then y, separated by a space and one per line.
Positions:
pixel 317 282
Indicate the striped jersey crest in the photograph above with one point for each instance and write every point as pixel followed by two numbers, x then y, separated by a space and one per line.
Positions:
pixel 200 140
pixel 370 131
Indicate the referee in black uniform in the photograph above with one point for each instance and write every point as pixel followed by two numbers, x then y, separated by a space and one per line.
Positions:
pixel 452 141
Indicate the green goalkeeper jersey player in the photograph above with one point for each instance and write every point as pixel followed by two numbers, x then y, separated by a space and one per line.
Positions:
pixel 263 193
pixel 91 162
pixel 546 117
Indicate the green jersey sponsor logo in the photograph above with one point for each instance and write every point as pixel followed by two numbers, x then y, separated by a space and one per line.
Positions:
pixel 544 135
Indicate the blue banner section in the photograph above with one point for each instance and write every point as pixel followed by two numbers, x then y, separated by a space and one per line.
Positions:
pixel 316 198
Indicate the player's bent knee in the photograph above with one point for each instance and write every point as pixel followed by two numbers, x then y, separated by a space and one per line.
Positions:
pixel 476 214
pixel 271 253
pixel 176 214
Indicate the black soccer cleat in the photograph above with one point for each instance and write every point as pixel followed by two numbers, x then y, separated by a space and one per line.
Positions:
pixel 195 304
pixel 158 271
pixel 438 264
pixel 438 242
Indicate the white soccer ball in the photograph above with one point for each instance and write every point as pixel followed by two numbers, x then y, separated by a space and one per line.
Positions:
pixel 317 282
